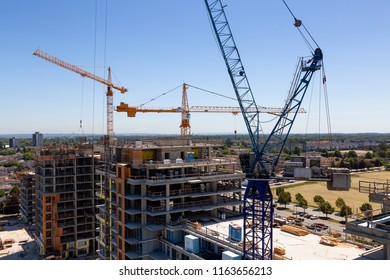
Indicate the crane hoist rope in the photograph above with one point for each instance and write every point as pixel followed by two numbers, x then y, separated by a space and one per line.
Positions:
pixel 298 23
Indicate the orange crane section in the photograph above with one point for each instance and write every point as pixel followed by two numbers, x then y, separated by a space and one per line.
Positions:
pixel 185 111
pixel 82 72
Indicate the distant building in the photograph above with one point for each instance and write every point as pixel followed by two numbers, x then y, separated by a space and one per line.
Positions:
pixel 37 139
pixel 14 143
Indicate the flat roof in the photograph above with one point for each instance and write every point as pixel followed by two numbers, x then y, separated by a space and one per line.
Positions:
pixel 307 247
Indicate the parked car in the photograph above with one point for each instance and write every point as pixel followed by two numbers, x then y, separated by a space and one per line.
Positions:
pixel 311 226
pixel 313 217
pixel 320 226
pixel 308 216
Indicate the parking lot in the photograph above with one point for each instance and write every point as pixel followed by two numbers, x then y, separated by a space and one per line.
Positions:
pixel 311 219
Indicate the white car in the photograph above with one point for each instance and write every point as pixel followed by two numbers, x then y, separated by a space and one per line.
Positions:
pixel 313 217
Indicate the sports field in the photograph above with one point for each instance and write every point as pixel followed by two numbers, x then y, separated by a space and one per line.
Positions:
pixel 352 198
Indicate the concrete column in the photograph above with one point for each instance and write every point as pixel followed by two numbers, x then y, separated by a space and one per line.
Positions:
pixel 167 216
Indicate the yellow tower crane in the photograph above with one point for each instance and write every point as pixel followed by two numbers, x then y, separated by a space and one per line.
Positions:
pixel 82 72
pixel 106 139
pixel 185 110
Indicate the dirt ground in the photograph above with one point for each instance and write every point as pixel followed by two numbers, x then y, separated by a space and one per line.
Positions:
pixel 352 198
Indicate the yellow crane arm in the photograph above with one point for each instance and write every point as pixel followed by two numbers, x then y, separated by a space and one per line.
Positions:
pixel 236 110
pixel 76 69
pixel 132 110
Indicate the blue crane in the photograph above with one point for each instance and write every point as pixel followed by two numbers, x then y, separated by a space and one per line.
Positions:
pixel 258 200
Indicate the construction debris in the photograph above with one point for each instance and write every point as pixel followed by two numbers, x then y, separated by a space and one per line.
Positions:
pixel 294 230
pixel 328 240
pixel 279 250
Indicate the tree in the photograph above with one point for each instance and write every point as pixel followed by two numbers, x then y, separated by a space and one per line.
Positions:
pixel 318 199
pixel 2 193
pixel 297 151
pixel 338 154
pixel 352 154
pixel 340 202
pixel 286 151
pixel 29 155
pixel 369 155
pixel 229 142
pixel 299 197
pixel 284 198
pixel 365 206
pixel 326 208
pixel 304 204
pixel 345 210
pixel 279 190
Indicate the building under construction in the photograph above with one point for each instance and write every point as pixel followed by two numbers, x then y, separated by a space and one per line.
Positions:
pixel 156 189
pixel 65 224
pixel 27 197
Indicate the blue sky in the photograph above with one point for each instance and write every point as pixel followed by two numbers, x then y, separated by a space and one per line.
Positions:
pixel 153 46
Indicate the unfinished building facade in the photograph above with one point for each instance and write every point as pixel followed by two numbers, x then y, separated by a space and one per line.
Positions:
pixel 27 196
pixel 156 189
pixel 65 202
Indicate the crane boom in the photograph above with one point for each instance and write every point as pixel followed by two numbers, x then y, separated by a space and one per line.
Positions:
pixel 133 110
pixel 76 69
pixel 236 70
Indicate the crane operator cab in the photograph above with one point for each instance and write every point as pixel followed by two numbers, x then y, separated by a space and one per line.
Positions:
pixel 314 63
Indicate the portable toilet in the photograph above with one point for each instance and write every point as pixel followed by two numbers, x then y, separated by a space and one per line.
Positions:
pixel 235 232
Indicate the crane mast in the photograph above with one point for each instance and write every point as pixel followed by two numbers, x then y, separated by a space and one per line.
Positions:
pixel 185 127
pixel 258 200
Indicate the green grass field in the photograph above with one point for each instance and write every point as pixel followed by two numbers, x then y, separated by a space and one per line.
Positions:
pixel 352 198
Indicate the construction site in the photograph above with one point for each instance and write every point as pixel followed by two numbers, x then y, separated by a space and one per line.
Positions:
pixel 177 198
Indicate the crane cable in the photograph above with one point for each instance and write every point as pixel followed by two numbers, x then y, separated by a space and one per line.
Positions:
pixel 327 105
pixel 104 65
pixel 158 96
pixel 94 71
pixel 212 92
pixel 299 23
pixel 82 106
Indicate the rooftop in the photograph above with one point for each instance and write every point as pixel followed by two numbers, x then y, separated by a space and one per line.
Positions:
pixel 307 247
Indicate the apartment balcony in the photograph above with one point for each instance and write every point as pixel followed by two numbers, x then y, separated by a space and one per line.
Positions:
pixel 66 223
pixel 85 228
pixel 192 192
pixel 201 177
pixel 62 208
pixel 133 225
pixel 198 205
